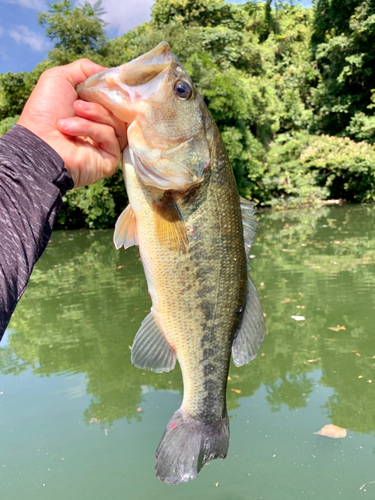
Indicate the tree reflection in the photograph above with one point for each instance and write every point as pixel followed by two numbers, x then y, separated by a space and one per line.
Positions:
pixel 85 302
pixel 292 390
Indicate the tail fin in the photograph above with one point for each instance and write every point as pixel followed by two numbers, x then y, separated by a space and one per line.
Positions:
pixel 187 445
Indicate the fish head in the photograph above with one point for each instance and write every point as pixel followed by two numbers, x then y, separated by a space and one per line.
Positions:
pixel 168 120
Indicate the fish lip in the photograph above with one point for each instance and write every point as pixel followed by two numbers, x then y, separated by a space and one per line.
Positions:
pixel 161 54
pixel 94 81
pixel 105 89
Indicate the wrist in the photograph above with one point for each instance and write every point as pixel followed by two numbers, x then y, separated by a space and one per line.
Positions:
pixel 42 131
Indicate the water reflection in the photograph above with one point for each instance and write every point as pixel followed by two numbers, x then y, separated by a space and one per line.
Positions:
pixel 85 302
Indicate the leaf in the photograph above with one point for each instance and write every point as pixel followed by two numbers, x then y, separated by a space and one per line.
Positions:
pixel 332 431
pixel 336 328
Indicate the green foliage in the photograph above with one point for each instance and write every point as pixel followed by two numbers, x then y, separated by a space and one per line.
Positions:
pixel 95 206
pixel 344 48
pixel 76 31
pixel 271 74
pixel 7 123
pixel 247 156
pixel 362 127
pixel 15 89
pixel 202 13
pixel 305 169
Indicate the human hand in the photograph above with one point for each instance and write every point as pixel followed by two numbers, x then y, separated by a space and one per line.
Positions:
pixel 88 137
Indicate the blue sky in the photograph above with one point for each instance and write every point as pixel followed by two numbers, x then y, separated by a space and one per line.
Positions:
pixel 23 43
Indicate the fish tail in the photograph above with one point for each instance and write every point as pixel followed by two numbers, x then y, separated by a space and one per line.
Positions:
pixel 187 445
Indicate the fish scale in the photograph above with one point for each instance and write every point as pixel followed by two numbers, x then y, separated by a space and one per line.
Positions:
pixel 186 215
pixel 197 312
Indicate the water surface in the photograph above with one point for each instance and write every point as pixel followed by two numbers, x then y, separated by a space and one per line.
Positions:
pixel 77 420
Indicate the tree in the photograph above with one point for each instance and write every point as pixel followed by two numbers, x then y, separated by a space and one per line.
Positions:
pixel 344 47
pixel 77 31
pixel 271 73
pixel 15 89
pixel 201 13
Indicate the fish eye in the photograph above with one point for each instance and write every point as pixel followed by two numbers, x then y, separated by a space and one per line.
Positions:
pixel 183 90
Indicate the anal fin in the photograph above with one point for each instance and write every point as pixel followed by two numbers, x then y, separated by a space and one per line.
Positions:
pixel 126 229
pixel 150 349
pixel 252 329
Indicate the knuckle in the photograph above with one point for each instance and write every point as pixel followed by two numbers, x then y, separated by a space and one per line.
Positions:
pixel 110 168
pixel 48 72
pixel 83 60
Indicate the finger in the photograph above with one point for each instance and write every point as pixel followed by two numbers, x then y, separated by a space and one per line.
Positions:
pixel 97 113
pixel 104 135
pixel 87 67
pixel 75 72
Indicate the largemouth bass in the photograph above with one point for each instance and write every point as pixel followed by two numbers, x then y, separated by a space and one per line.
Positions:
pixel 194 234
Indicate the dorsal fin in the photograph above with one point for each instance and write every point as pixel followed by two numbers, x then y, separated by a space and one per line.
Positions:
pixel 249 223
pixel 126 229
pixel 252 329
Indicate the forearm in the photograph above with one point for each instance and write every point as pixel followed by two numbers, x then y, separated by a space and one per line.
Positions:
pixel 32 182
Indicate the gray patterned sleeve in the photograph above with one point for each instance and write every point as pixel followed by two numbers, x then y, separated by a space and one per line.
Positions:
pixel 32 182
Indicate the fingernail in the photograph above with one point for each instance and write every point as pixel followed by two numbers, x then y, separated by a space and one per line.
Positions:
pixel 83 104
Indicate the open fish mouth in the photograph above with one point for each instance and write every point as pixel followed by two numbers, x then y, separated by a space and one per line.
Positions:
pixel 117 88
pixel 147 66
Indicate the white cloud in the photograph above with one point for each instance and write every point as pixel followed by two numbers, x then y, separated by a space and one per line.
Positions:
pixel 22 34
pixel 1 30
pixel 123 16
pixel 30 4
pixel 4 56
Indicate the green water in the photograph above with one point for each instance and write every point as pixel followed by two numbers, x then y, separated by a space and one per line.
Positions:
pixel 78 421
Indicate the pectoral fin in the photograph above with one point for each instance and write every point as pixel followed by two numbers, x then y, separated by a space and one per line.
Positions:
pixel 126 229
pixel 150 349
pixel 252 329
pixel 169 226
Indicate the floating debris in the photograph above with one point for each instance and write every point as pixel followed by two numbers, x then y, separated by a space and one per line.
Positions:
pixel 336 328
pixel 313 360
pixel 332 431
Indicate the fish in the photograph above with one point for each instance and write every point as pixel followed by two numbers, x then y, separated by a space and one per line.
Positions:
pixel 194 234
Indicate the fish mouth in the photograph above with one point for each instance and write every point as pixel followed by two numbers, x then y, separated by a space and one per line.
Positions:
pixel 147 66
pixel 118 88
pixel 130 91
